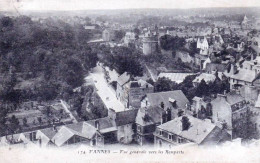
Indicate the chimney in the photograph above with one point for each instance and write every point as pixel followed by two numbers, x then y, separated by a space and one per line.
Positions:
pixel 185 123
pixel 111 114
pixel 97 124
pixel 55 128
pixel 233 69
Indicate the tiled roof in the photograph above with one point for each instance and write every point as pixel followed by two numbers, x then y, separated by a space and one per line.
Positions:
pixel 126 117
pixel 124 78
pixel 154 115
pixel 197 132
pixel 155 99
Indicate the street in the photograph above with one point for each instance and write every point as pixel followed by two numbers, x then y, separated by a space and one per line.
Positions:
pixel 106 93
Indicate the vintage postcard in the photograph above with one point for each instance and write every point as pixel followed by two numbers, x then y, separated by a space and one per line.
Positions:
pixel 130 81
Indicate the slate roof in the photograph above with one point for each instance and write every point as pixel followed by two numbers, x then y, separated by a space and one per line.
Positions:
pixel 155 99
pixel 124 78
pixel 154 115
pixel 63 135
pixel 83 128
pixel 104 123
pixel 233 98
pixel 49 132
pixel 244 75
pixel 197 132
pixel 126 117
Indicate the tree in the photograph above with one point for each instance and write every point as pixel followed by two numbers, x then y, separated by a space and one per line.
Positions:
pixel 14 124
pixel 3 114
pixel 39 119
pixel 25 122
pixel 202 89
pixel 119 34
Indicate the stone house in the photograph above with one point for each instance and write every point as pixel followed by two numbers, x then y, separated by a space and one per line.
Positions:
pixel 125 123
pixel 230 111
pixel 177 131
pixel 130 93
pixel 146 121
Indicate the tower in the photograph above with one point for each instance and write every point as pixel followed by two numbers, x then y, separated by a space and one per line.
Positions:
pixel 150 43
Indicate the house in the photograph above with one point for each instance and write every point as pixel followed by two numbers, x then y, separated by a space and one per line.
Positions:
pixel 175 77
pixel 212 68
pixel 121 81
pixel 230 112
pixel 107 128
pixel 242 77
pixel 174 102
pixel 146 121
pixel 107 35
pixel 187 129
pixel 16 140
pixel 203 45
pixel 45 136
pixel 254 122
pixel 130 93
pixel 201 108
pixel 125 123
pixel 203 76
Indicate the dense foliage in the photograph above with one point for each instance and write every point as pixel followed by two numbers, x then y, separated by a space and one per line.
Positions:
pixel 50 56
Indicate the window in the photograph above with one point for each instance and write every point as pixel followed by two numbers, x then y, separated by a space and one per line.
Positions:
pixel 180 140
pixel 170 136
pixel 161 133
pixel 139 128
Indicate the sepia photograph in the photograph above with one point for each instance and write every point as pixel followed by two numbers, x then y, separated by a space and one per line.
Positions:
pixel 130 81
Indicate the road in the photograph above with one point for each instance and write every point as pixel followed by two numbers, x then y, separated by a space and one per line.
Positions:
pixel 106 93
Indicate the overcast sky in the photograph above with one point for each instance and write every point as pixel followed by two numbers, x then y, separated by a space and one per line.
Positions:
pixel 121 4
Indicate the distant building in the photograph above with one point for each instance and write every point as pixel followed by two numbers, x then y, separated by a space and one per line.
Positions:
pixel 187 129
pixel 150 43
pixel 129 38
pixel 106 35
pixel 203 45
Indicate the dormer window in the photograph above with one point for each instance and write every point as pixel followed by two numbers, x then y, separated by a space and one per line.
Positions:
pixel 170 136
pixel 161 132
